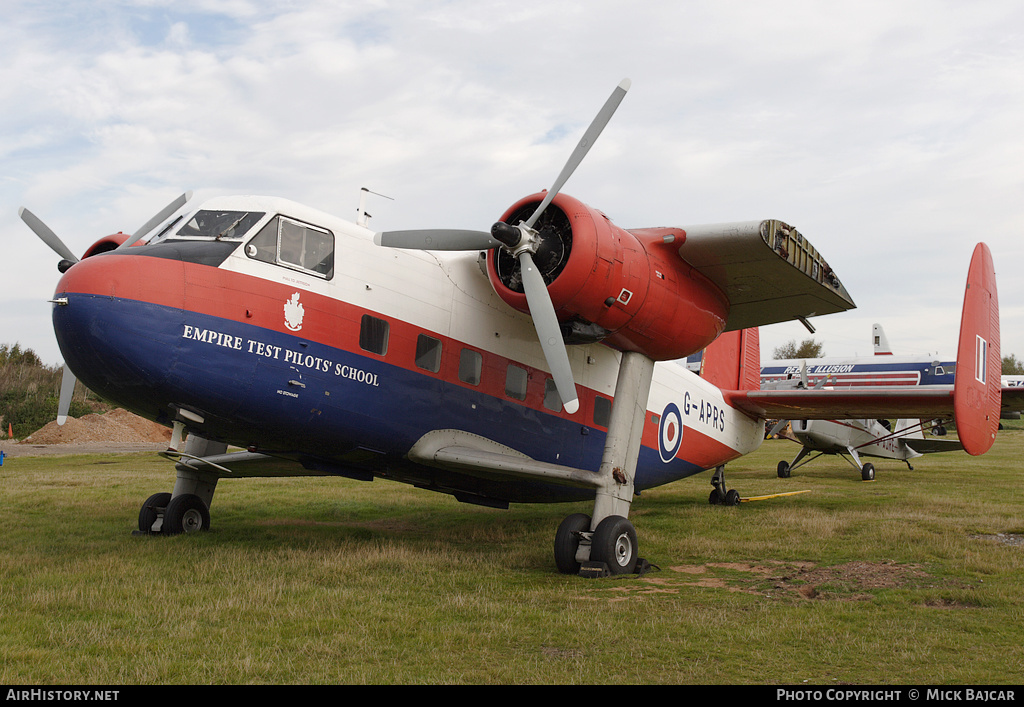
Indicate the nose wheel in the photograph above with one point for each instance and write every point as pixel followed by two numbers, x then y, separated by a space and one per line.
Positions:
pixel 164 515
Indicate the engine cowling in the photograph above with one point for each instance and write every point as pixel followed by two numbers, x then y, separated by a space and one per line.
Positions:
pixel 627 288
pixel 105 244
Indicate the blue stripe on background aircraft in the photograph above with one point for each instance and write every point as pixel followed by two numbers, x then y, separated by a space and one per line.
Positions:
pixel 481 364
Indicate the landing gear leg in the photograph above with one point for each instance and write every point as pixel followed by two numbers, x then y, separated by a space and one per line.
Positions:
pixel 608 544
pixel 720 496
pixel 187 509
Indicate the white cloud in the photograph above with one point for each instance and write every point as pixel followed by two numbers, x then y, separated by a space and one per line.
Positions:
pixel 887 132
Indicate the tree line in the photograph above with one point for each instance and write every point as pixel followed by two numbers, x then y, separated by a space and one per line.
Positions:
pixel 30 392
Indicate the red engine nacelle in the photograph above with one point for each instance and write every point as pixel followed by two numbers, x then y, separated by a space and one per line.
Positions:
pixel 106 243
pixel 627 288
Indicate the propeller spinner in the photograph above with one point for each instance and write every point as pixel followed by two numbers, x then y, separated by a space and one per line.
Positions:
pixel 522 241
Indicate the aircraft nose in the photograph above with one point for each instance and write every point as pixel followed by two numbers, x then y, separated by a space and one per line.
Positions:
pixel 111 317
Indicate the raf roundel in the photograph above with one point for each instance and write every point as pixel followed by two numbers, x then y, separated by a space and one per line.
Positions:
pixel 670 432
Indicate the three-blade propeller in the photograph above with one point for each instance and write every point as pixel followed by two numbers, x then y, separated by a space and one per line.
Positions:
pixel 67 384
pixel 522 242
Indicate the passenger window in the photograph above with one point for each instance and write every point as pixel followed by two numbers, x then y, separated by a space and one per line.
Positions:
pixel 602 411
pixel 373 335
pixel 296 245
pixel 470 366
pixel 515 382
pixel 552 400
pixel 428 353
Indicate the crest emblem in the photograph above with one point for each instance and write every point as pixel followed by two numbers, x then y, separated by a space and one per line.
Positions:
pixel 293 313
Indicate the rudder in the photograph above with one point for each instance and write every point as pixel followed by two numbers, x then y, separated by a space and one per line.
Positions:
pixel 977 389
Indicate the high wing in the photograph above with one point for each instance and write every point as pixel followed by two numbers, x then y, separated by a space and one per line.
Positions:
pixel 767 269
pixel 974 402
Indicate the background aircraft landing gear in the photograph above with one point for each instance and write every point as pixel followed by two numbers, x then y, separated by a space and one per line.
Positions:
pixel 867 472
pixel 784 470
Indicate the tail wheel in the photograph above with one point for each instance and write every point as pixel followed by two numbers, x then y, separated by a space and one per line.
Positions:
pixel 614 543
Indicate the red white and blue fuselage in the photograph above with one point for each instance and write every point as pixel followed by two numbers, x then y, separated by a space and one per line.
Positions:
pixel 269 357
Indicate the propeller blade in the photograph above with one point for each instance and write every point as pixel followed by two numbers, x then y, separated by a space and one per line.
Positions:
pixel 158 219
pixel 776 428
pixel 544 320
pixel 67 389
pixel 436 239
pixel 601 120
pixel 48 237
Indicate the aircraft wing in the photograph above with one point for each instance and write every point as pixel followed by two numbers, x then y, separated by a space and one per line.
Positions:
pixel 767 269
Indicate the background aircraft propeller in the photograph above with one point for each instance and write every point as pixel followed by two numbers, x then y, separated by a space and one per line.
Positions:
pixel 67 383
pixel 522 241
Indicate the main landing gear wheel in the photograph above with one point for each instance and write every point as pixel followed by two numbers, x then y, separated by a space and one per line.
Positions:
pixel 614 543
pixel 784 470
pixel 867 472
pixel 567 541
pixel 186 514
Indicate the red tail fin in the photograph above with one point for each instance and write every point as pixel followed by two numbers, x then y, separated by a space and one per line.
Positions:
pixel 977 391
pixel 733 361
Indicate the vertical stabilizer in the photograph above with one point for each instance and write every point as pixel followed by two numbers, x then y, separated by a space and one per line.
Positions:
pixel 880 341
pixel 977 391
pixel 733 361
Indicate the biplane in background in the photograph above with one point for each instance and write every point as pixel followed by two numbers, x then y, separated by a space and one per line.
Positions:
pixel 481 364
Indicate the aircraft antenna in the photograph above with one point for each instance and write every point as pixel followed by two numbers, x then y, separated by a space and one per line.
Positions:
pixel 363 218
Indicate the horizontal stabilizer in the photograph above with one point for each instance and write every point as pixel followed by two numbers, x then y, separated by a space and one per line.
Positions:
pixel 930 445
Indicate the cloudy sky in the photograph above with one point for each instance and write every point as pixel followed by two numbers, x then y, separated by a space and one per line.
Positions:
pixel 888 132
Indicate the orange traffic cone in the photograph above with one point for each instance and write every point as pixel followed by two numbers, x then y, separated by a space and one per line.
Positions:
pixel 10 431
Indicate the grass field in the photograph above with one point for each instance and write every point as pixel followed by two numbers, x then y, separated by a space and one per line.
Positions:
pixel 915 578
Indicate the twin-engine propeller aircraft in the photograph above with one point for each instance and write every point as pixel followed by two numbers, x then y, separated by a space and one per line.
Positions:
pixel 439 358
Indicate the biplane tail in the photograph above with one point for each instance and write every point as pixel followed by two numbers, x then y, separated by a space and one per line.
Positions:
pixel 733 360
pixel 977 388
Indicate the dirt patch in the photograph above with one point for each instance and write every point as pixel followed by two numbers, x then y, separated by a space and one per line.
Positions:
pixel 852 581
pixel 117 430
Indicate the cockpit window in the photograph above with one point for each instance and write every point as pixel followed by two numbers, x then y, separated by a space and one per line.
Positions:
pixel 220 225
pixel 296 245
